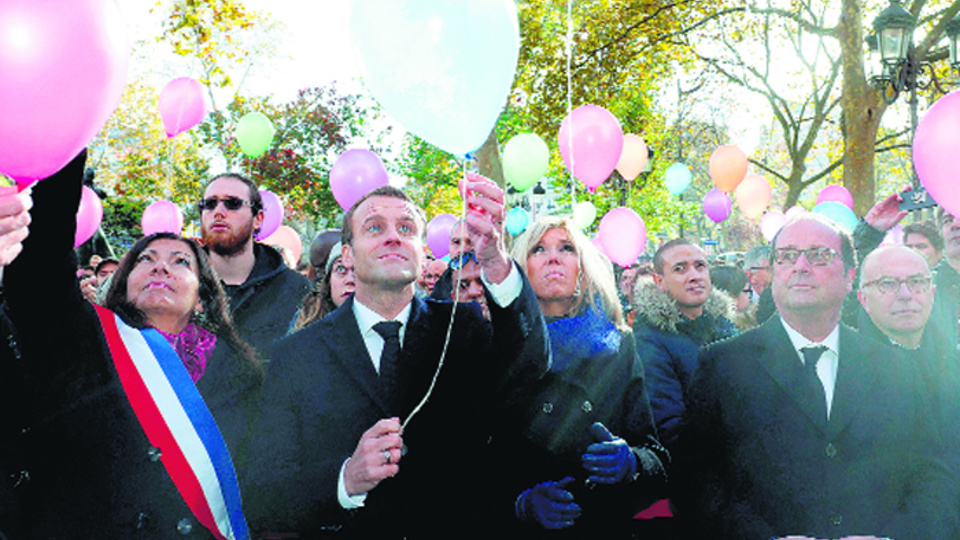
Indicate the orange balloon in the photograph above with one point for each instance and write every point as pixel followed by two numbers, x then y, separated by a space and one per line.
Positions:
pixel 633 157
pixel 287 237
pixel 753 195
pixel 728 166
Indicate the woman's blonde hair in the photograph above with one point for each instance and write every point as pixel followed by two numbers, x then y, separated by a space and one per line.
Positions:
pixel 595 281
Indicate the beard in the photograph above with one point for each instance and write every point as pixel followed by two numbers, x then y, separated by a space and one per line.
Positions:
pixel 229 242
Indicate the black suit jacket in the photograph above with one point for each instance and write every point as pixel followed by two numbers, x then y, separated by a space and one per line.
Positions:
pixel 321 394
pixel 755 462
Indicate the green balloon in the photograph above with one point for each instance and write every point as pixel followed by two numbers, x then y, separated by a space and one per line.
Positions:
pixel 254 133
pixel 525 160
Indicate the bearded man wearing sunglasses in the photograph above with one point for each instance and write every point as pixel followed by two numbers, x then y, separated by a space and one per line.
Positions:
pixel 264 293
pixel 803 427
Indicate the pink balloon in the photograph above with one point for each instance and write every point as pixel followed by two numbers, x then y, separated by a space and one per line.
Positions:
pixel 287 237
pixel 894 236
pixel 836 193
pixel 161 216
pixel 181 105
pixel 438 234
pixel 770 224
pixel 753 195
pixel 89 216
pixel 793 212
pixel 717 205
pixel 64 66
pixel 272 214
pixel 356 173
pixel 590 141
pixel 936 144
pixel 623 235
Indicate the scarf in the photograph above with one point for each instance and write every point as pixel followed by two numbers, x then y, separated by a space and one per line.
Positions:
pixel 582 336
pixel 193 346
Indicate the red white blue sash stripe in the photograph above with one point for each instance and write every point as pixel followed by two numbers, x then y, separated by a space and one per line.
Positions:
pixel 176 420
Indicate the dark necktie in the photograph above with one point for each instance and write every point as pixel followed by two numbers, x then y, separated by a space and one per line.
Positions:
pixel 810 357
pixel 390 332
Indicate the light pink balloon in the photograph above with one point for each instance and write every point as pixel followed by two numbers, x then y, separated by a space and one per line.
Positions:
pixel 89 216
pixel 161 216
pixel 287 237
pixel 753 195
pixel 936 146
pixel 590 141
pixel 793 212
pixel 717 205
pixel 438 234
pixel 623 235
pixel 836 193
pixel 770 224
pixel 64 67
pixel 272 214
pixel 181 105
pixel 356 173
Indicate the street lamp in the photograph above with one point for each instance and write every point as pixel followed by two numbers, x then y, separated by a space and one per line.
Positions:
pixel 953 34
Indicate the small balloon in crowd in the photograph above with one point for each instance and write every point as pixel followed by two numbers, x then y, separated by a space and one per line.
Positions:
pixel 836 192
pixel 438 234
pixel 839 213
pixel 623 235
pixel 753 195
pixel 771 223
pixel 590 141
pixel 161 216
pixel 936 146
pixel 255 134
pixel 272 214
pixel 89 216
pixel 728 167
pixel 677 178
pixel 517 220
pixel 717 205
pixel 525 160
pixel 633 157
pixel 442 69
pixel 794 211
pixel 894 236
pixel 584 213
pixel 64 68
pixel 356 173
pixel 181 105
pixel 287 237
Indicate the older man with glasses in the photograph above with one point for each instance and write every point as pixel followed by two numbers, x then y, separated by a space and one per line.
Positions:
pixel 803 427
pixel 264 293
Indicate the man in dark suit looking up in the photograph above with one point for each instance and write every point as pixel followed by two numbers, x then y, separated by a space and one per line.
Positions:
pixel 330 452
pixel 801 427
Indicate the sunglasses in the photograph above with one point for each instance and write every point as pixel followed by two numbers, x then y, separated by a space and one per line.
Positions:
pixel 230 203
pixel 463 259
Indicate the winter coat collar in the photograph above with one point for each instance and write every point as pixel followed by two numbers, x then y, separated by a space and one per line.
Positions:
pixel 658 309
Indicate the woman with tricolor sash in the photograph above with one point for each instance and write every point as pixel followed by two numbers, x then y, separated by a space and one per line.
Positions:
pixel 137 405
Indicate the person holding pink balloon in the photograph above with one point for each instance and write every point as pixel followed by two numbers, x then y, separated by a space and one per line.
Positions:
pixel 592 459
pixel 264 292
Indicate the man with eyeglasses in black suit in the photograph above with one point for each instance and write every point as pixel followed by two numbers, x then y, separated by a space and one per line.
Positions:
pixel 264 293
pixel 803 427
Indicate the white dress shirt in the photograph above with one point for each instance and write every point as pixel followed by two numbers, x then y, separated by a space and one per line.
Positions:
pixel 829 360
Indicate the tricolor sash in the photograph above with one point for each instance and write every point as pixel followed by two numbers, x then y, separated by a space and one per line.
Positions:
pixel 176 420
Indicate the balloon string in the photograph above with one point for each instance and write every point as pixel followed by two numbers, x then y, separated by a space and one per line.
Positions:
pixel 573 183
pixel 453 314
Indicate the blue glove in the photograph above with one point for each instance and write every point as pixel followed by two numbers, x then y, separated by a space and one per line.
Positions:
pixel 610 460
pixel 549 505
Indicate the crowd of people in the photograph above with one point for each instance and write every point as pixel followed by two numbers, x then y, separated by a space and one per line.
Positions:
pixel 208 389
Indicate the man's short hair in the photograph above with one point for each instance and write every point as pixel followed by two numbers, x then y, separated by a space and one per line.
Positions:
pixel 926 229
pixel 658 256
pixel 847 253
pixel 256 201
pixel 757 256
pixel 346 231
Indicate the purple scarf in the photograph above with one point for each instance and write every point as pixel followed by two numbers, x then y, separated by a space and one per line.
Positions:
pixel 193 346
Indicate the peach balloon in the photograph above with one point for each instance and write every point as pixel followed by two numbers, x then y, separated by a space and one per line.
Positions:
pixel 753 195
pixel 633 157
pixel 728 167
pixel 287 237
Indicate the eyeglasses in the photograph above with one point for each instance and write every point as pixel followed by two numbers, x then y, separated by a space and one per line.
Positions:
pixel 890 285
pixel 464 258
pixel 758 268
pixel 817 256
pixel 230 203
